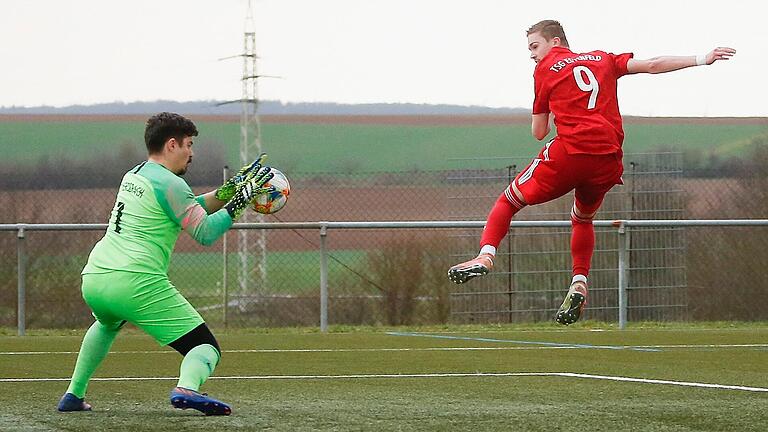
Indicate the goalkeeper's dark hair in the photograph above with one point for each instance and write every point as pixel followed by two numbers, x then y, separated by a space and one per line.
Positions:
pixel 164 126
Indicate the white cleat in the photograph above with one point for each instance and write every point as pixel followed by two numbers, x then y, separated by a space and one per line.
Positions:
pixel 465 271
pixel 573 305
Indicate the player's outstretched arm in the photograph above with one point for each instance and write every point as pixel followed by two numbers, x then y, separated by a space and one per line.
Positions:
pixel 205 227
pixel 672 63
pixel 180 204
pixel 209 202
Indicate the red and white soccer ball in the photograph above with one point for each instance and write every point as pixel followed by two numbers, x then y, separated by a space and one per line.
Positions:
pixel 272 202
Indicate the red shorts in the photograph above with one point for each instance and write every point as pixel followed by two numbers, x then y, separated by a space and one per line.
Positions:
pixel 554 173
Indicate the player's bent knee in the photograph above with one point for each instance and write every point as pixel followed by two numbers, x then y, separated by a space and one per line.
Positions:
pixel 200 335
pixel 112 327
pixel 582 217
pixel 577 220
pixel 512 196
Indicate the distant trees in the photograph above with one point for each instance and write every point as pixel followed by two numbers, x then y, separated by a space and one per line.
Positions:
pixel 102 170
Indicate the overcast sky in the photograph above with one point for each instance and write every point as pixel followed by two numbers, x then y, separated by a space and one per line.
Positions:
pixel 465 52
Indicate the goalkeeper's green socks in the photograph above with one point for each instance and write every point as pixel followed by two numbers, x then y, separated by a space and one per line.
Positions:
pixel 197 366
pixel 96 343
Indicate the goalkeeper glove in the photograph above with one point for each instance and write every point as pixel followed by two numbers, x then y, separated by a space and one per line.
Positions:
pixel 228 189
pixel 245 195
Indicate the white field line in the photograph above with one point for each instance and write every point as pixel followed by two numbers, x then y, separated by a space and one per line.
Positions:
pixel 306 350
pixel 425 375
pixel 514 341
pixel 341 350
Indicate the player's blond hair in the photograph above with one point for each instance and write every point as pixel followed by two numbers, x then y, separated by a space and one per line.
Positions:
pixel 549 29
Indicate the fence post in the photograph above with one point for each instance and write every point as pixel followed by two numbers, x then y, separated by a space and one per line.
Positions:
pixel 323 279
pixel 225 265
pixel 511 173
pixel 21 284
pixel 623 273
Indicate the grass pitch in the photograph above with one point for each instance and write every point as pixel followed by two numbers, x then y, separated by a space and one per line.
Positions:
pixel 587 377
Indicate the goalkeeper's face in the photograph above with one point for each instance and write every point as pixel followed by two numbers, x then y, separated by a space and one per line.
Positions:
pixel 181 155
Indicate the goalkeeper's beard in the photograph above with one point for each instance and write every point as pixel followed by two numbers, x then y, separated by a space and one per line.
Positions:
pixel 184 169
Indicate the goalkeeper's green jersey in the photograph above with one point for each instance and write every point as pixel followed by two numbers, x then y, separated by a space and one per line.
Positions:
pixel 153 206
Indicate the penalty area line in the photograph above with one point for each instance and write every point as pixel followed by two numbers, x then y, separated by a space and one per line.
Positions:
pixel 523 342
pixel 424 375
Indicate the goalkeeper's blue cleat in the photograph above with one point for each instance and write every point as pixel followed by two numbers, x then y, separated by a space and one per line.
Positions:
pixel 182 398
pixel 465 271
pixel 573 305
pixel 70 402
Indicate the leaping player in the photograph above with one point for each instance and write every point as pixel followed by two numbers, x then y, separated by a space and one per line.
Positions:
pixel 579 90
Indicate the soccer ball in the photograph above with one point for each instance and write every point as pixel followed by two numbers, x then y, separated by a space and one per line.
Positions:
pixel 272 202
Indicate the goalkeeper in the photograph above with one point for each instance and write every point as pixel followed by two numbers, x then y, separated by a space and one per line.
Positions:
pixel 126 277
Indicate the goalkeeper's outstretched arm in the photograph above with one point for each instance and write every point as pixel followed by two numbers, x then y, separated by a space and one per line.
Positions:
pixel 207 228
pixel 186 210
pixel 210 203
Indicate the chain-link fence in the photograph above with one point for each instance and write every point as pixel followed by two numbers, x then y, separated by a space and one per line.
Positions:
pixel 398 276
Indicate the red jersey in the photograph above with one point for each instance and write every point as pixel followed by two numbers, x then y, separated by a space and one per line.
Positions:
pixel 580 90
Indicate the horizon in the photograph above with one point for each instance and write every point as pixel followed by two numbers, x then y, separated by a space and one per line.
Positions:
pixel 464 53
pixel 427 109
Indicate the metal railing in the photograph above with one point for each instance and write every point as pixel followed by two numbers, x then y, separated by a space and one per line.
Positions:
pixel 623 228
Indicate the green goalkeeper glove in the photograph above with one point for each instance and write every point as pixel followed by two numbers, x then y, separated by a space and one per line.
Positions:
pixel 250 189
pixel 228 189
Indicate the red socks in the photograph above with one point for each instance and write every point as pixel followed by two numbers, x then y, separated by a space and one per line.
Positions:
pixel 497 225
pixel 582 246
pixel 582 234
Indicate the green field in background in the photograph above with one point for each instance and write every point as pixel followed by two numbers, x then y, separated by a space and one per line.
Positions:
pixel 201 274
pixel 375 379
pixel 312 148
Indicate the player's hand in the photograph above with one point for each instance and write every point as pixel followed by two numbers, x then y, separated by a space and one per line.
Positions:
pixel 719 53
pixel 228 189
pixel 249 190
